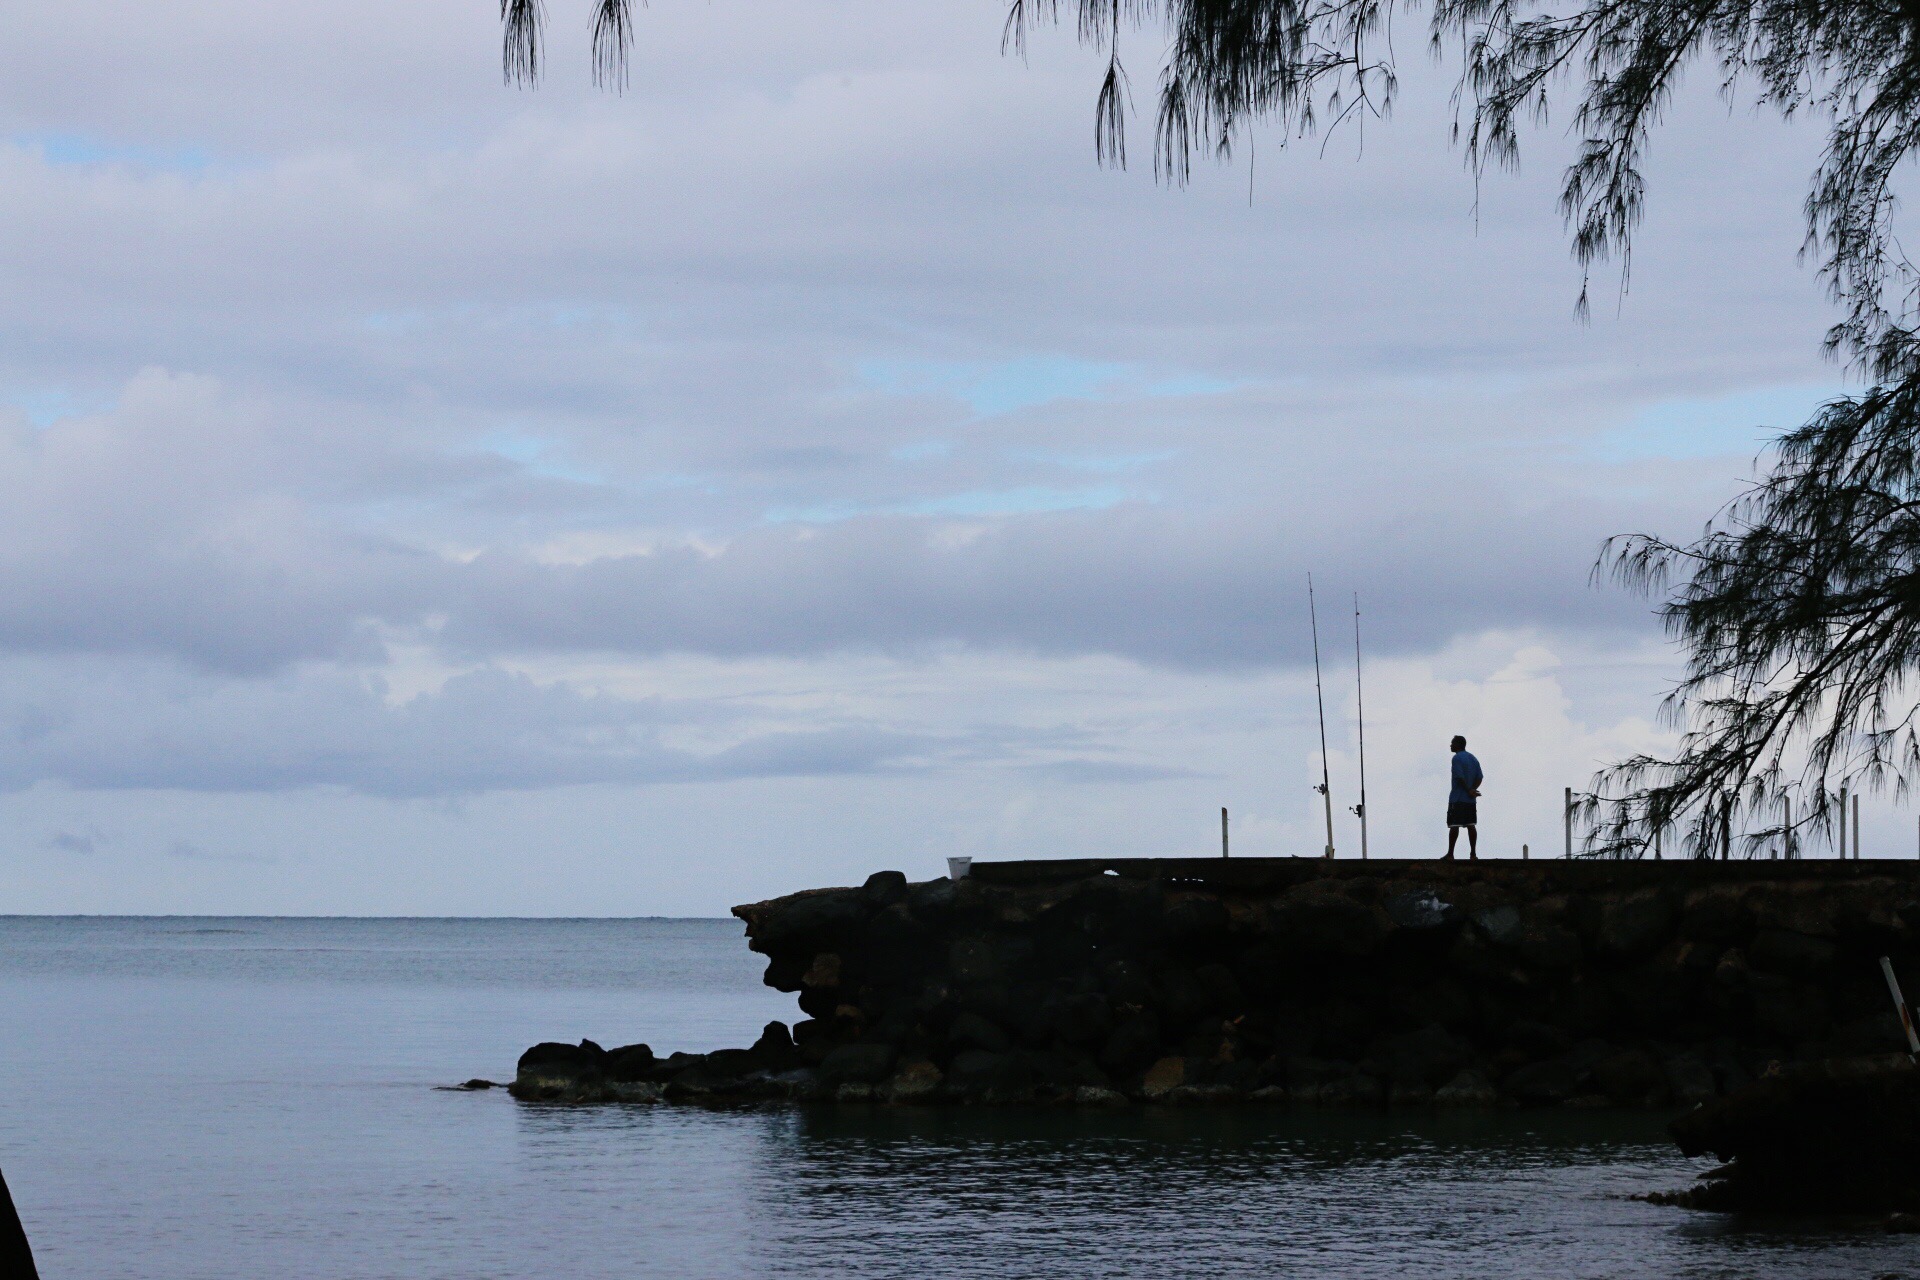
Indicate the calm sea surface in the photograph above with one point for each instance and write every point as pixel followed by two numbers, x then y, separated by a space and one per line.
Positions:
pixel 252 1098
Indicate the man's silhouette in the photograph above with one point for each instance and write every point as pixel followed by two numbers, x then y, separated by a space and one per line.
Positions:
pixel 1463 808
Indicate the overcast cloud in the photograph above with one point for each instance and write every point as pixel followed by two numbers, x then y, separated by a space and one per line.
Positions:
pixel 810 458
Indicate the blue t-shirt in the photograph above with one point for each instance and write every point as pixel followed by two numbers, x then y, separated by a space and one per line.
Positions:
pixel 1466 776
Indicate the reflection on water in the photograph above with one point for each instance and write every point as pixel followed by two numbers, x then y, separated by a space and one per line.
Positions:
pixel 184 1105
pixel 873 1192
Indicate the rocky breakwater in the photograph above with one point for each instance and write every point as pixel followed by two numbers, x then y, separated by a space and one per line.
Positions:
pixel 1301 982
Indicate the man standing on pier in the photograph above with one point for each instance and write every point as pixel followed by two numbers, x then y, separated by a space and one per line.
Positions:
pixel 1463 808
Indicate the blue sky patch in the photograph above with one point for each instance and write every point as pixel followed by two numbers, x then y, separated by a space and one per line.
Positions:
pixel 1739 422
pixel 1029 500
pixel 991 388
pixel 536 456
pixel 72 150
pixel 46 407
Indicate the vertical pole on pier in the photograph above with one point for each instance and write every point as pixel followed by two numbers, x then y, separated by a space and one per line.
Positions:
pixel 1567 814
pixel 1320 702
pixel 1656 844
pixel 1523 853
pixel 1900 1004
pixel 1843 824
pixel 1856 827
pixel 1223 831
pixel 1360 719
pixel 1786 830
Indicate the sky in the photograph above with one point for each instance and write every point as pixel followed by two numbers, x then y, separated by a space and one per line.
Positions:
pixel 423 496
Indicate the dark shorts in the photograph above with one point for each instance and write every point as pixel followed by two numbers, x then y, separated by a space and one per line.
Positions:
pixel 1463 813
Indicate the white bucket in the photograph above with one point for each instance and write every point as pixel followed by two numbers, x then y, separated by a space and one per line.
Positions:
pixel 957 868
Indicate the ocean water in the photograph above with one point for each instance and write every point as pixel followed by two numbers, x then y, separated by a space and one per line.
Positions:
pixel 252 1098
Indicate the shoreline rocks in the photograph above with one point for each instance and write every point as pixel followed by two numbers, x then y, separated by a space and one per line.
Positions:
pixel 1840 1135
pixel 1298 982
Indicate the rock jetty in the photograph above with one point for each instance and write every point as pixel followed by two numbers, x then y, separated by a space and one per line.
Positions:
pixel 1838 1135
pixel 1300 981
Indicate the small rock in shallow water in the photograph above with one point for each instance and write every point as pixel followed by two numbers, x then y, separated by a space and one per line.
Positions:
pixel 916 1081
pixel 1163 1077
pixel 1470 1088
pixel 1542 1083
pixel 865 1064
pixel 635 1091
pixel 1353 1091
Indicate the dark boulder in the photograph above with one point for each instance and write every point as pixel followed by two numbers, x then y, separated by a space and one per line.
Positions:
pixel 985 957
pixel 724 1071
pixel 1690 1079
pixel 1793 955
pixel 1835 1135
pixel 1629 1076
pixel 981 1075
pixel 867 1064
pixel 1499 925
pixel 897 935
pixel 884 888
pixel 820 916
pixel 1133 1043
pixel 787 972
pixel 1538 1039
pixel 1360 1091
pixel 1542 1083
pixel 971 1031
pixel 1188 994
pixel 1194 922
pixel 775 1050
pixel 1634 927
pixel 931 901
pixel 1427 1057
pixel 1787 1008
pixel 1719 916
pixel 631 1062
pixel 1421 911
pixel 554 1054
pixel 1322 920
pixel 1542 941
pixel 1077 1018
pixel 1129 982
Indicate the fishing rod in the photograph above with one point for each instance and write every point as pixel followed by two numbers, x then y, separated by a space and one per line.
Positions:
pixel 1360 704
pixel 1325 788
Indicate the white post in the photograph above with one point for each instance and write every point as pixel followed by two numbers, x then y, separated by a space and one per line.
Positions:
pixel 1900 1004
